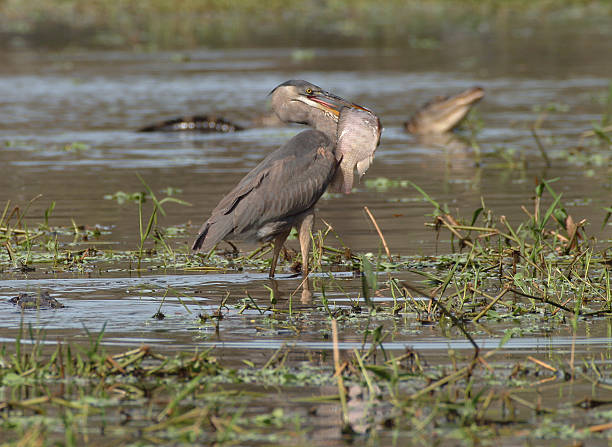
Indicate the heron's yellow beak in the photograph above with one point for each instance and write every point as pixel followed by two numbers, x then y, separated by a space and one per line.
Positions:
pixel 331 103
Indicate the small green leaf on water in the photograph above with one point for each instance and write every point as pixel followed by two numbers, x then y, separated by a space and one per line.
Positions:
pixel 508 333
pixel 123 197
pixel 383 183
pixel 598 130
pixel 174 231
pixel 380 371
pixel 170 191
pixel 475 215
pixel 551 107
pixel 76 146
pixel 560 215
pixel 303 54
pixel 368 281
pixel 12 379
pixel 423 43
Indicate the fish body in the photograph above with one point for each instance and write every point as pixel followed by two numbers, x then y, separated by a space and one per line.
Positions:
pixel 443 113
pixel 358 137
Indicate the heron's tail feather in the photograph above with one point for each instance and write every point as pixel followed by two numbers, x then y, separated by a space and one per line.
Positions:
pixel 212 233
pixel 197 245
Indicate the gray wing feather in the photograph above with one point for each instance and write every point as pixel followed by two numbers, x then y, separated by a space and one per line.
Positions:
pixel 285 184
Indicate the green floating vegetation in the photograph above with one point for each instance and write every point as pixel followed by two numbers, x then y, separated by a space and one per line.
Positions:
pixel 549 247
pixel 76 147
pixel 383 183
pixel 503 281
pixel 539 258
pixel 81 395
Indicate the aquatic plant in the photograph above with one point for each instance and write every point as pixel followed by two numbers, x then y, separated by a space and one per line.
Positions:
pixel 502 279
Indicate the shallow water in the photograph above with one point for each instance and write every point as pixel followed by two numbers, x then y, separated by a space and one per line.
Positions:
pixel 99 98
pixel 52 100
pixel 48 101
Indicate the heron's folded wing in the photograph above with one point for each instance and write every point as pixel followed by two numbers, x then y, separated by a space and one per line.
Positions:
pixel 290 186
pixel 286 183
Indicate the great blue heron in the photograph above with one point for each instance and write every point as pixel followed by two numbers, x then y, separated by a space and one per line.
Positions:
pixel 443 113
pixel 280 192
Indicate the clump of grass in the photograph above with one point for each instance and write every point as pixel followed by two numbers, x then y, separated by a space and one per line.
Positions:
pixel 544 271
pixel 191 396
pixel 376 393
pixel 147 228
pixel 536 259
pixel 146 231
pixel 42 243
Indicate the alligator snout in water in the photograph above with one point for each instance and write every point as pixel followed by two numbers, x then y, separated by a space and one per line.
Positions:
pixel 36 301
pixel 443 113
pixel 211 123
pixel 197 123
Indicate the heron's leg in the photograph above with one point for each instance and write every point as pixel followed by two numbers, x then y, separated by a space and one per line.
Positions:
pixel 278 244
pixel 305 229
pixel 306 293
pixel 235 250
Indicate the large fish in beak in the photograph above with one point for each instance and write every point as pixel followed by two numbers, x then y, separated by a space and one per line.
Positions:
pixel 358 137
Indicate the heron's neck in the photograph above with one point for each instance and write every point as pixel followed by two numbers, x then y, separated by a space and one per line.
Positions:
pixel 324 123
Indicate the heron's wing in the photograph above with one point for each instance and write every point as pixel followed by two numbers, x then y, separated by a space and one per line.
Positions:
pixel 285 184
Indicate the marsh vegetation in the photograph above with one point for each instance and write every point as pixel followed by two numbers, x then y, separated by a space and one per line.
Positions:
pixel 468 304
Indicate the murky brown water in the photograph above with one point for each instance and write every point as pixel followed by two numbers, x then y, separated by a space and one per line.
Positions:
pixel 50 100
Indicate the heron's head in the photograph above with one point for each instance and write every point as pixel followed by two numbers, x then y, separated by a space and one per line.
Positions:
pixel 301 102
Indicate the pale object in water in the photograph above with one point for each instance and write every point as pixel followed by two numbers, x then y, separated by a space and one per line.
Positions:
pixel 443 113
pixel 358 136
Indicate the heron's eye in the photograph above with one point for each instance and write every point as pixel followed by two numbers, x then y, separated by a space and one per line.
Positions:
pixel 308 91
